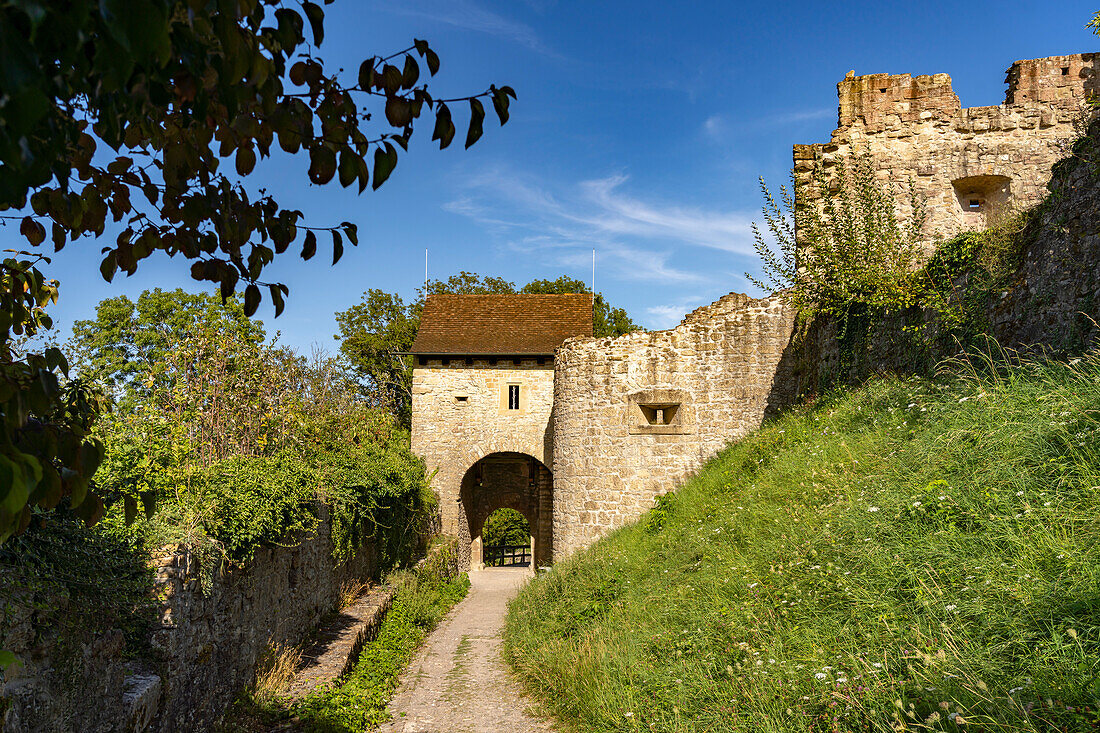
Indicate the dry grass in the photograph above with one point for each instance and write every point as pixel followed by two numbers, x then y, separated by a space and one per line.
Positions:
pixel 276 671
pixel 350 591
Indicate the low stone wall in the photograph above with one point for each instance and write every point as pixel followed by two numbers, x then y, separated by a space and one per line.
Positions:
pixel 208 644
pixel 636 415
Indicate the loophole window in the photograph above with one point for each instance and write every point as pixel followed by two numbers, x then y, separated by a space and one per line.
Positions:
pixel 663 414
pixel 513 396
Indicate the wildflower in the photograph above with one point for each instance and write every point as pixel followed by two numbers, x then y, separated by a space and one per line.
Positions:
pixel 952 607
pixel 820 675
pixel 916 503
pixel 1072 633
pixel 628 715
pixel 753 585
pixel 872 509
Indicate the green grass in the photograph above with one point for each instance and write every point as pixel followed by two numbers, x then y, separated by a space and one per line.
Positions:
pixel 918 555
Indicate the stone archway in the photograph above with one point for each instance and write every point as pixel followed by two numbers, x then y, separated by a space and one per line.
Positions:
pixel 508 480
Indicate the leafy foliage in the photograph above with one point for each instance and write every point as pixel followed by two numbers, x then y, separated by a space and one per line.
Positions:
pixel 374 332
pixel 46 449
pixel 239 440
pixel 124 116
pixel 606 320
pixel 844 249
pixel 506 527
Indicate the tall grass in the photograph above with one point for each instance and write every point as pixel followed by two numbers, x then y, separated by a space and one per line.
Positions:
pixel 915 555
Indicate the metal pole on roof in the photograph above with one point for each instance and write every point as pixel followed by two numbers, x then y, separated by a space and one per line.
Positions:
pixel 593 271
pixel 425 269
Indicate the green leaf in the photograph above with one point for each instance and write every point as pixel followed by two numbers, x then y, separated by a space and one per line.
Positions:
pixel 444 130
pixel 410 73
pixel 277 297
pixel 477 117
pixel 130 509
pixel 309 248
pixel 316 18
pixel 251 299
pixel 366 74
pixel 391 79
pixel 109 266
pixel 322 164
pixel 8 660
pixel 33 231
pixel 246 161
pixel 384 163
pixel 148 503
pixel 337 247
pixel 352 232
pixel 349 168
pixel 399 111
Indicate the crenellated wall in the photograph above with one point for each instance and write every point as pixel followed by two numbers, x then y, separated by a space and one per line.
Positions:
pixel 637 414
pixel 967 165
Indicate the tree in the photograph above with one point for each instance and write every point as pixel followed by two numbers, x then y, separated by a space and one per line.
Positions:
pixel 376 331
pixel 130 110
pixel 606 321
pixel 126 342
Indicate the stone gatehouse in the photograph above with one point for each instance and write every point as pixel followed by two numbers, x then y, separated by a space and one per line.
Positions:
pixel 516 405
pixel 482 402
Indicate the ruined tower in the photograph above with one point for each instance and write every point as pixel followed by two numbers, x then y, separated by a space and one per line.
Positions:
pixel 968 165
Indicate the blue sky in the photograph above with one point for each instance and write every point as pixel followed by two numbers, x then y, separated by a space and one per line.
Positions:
pixel 640 131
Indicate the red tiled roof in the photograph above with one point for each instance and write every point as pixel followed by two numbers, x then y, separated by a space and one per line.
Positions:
pixel 501 325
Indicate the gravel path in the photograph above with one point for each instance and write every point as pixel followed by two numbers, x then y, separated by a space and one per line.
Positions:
pixel 457 682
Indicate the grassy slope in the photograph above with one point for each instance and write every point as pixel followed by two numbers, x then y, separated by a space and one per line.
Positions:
pixel 913 552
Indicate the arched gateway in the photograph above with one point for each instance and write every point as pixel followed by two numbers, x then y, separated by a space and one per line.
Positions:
pixel 482 405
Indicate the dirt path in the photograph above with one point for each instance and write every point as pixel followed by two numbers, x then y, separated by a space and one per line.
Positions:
pixel 457 682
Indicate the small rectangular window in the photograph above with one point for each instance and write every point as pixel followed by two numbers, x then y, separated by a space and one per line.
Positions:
pixel 461 398
pixel 659 414
pixel 513 396
pixel 1065 71
pixel 974 204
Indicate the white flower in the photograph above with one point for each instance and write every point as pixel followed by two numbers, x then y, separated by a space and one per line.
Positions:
pixel 820 675
pixel 628 715
pixel 952 607
pixel 877 665
pixel 753 585
pixel 840 680
pixel 1019 493
pixel 916 503
pixel 872 509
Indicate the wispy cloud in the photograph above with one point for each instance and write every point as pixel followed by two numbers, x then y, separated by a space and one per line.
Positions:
pixel 635 238
pixel 669 314
pixel 719 127
pixel 469 16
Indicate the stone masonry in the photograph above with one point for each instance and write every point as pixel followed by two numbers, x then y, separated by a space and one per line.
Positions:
pixel 622 420
pixel 967 165
pixel 460 417
pixel 636 415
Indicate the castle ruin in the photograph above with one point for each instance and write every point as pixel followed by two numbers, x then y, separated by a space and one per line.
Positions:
pixel 516 405
pixel 967 165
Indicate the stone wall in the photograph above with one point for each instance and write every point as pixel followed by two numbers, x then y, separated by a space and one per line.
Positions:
pixel 207 645
pixel 460 416
pixel 637 414
pixel 1055 297
pixel 966 164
